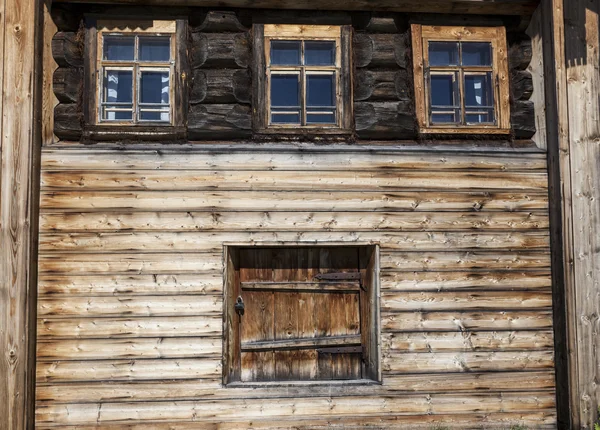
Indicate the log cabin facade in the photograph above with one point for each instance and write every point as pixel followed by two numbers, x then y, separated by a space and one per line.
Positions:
pixel 269 216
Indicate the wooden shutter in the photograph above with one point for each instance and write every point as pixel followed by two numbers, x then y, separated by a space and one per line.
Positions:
pixel 296 326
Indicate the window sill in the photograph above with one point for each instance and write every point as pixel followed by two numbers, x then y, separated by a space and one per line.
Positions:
pixel 131 132
pixel 464 130
pixel 304 384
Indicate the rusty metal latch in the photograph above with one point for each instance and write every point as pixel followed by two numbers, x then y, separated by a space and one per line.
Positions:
pixel 341 350
pixel 239 306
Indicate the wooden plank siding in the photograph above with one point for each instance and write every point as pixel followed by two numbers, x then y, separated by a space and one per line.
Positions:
pixel 131 284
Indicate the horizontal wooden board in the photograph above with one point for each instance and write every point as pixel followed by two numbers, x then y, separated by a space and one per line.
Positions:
pixel 90 392
pixel 462 321
pixel 317 201
pixel 436 301
pixel 128 370
pixel 281 221
pixel 314 287
pixel 184 180
pixel 467 341
pixel 497 361
pixel 103 349
pixel 299 407
pixel 453 261
pixel 165 159
pixel 109 264
pixel 540 420
pixel 210 282
pixel 129 305
pixel 129 327
pixel 312 343
pixel 213 241
pixel 451 281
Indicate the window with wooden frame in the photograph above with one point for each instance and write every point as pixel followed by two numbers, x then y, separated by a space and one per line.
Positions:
pixel 303 78
pixel 136 76
pixel 461 79
pixel 301 313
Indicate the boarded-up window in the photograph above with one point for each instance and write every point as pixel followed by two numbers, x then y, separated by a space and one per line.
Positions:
pixel 301 314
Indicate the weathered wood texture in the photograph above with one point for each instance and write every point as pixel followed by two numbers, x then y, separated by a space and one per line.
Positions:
pixel 20 84
pixel 131 286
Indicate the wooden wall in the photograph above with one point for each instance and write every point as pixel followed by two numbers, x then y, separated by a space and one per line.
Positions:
pixel 19 154
pixel 131 275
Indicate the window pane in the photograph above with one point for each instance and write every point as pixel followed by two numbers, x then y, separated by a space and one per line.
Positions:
pixel 480 117
pixel 119 48
pixel 118 86
pixel 478 90
pixel 476 54
pixel 157 48
pixel 285 118
pixel 443 53
pixel 110 114
pixel 320 118
pixel 319 53
pixel 320 90
pixel 154 87
pixel 154 116
pixel 444 118
pixel 443 90
pixel 285 52
pixel 285 90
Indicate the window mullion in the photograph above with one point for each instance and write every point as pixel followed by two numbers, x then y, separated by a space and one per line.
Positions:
pixel 303 95
pixel 135 89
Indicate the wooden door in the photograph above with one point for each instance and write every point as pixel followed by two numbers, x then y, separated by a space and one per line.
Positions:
pixel 301 318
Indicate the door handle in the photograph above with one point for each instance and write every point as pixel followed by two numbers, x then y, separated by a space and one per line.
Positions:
pixel 239 306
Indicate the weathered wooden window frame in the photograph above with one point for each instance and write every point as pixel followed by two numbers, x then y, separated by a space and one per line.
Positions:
pixel 97 27
pixel 263 34
pixel 370 331
pixel 421 36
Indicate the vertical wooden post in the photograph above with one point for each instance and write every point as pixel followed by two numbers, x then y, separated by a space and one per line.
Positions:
pixel 19 181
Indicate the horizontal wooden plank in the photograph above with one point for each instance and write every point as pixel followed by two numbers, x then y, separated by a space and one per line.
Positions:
pixel 107 391
pixel 103 349
pixel 213 241
pixel 129 306
pixel 463 321
pixel 299 407
pixel 128 370
pixel 497 361
pixel 184 180
pixel 210 282
pixel 453 261
pixel 169 159
pixel 302 286
pixel 317 201
pixel 467 341
pixel 108 264
pixel 301 343
pixel 451 281
pixel 129 327
pixel 281 221
pixel 459 300
pixel 540 420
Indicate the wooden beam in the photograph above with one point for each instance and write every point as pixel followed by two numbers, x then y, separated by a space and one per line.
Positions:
pixel 19 181
pixel 495 7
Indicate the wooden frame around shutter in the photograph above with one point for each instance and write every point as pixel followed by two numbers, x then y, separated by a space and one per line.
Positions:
pixel 421 35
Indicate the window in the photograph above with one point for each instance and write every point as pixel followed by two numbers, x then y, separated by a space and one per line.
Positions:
pixel 461 79
pixel 304 80
pixel 135 78
pixel 301 314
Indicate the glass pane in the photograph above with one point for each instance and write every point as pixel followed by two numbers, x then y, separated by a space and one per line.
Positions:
pixel 443 90
pixel 285 90
pixel 444 118
pixel 443 53
pixel 154 87
pixel 153 116
pixel 285 118
pixel 119 48
pixel 320 118
pixel 478 90
pixel 109 114
pixel 156 48
pixel 487 116
pixel 319 53
pixel 476 54
pixel 320 90
pixel 285 52
pixel 118 86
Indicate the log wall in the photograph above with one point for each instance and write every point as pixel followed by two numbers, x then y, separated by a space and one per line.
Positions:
pixel 131 283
